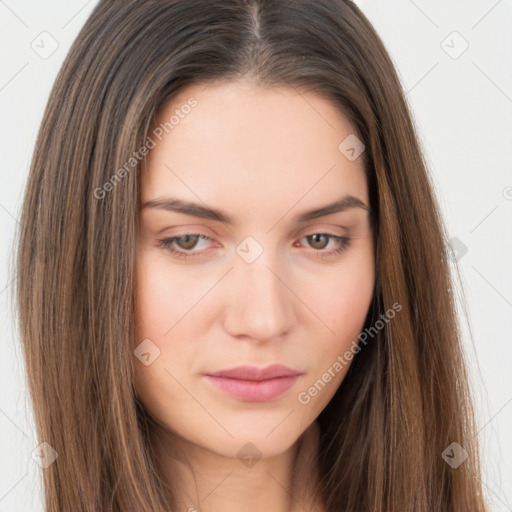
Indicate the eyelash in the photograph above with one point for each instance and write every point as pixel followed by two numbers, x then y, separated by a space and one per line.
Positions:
pixel 168 243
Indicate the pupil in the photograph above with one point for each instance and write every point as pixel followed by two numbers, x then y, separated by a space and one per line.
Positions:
pixel 315 240
pixel 190 241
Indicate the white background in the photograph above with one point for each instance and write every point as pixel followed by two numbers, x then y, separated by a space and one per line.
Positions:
pixel 462 107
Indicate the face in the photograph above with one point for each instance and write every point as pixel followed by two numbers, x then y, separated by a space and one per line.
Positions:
pixel 242 276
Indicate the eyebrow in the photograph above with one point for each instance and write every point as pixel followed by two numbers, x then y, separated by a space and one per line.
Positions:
pixel 197 210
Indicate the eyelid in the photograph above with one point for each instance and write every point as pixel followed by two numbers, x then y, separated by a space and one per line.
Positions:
pixel 315 228
pixel 342 242
pixel 188 229
pixel 312 229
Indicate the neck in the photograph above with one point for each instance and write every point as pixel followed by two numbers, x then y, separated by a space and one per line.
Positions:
pixel 202 480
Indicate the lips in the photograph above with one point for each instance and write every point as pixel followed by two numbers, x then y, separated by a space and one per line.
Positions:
pixel 254 373
pixel 253 384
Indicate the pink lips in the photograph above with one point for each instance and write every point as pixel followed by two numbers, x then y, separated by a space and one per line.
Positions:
pixel 253 384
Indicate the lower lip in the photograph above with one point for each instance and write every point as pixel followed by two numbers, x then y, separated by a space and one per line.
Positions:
pixel 252 390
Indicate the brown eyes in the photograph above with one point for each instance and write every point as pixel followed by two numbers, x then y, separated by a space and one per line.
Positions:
pixel 182 246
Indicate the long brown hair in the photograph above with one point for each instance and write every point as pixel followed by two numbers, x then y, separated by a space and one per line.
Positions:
pixel 405 399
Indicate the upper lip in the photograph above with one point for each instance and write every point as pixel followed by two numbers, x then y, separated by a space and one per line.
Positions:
pixel 254 373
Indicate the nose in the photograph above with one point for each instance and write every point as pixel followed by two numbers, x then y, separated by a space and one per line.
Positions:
pixel 259 303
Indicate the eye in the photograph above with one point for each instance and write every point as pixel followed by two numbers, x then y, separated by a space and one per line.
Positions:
pixel 185 246
pixel 319 241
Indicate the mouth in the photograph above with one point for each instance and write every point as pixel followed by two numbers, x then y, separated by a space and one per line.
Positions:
pixel 253 384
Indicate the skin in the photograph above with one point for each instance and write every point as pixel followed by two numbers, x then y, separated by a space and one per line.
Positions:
pixel 262 156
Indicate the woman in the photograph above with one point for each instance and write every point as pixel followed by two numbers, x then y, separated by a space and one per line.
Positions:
pixel 233 280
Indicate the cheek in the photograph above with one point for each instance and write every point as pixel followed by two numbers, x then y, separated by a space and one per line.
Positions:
pixel 343 304
pixel 349 302
pixel 157 311
pixel 163 296
pixel 158 306
pixel 342 297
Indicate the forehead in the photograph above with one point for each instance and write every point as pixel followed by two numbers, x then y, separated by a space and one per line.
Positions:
pixel 256 148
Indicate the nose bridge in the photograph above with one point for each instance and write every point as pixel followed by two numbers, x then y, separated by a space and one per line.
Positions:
pixel 261 305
